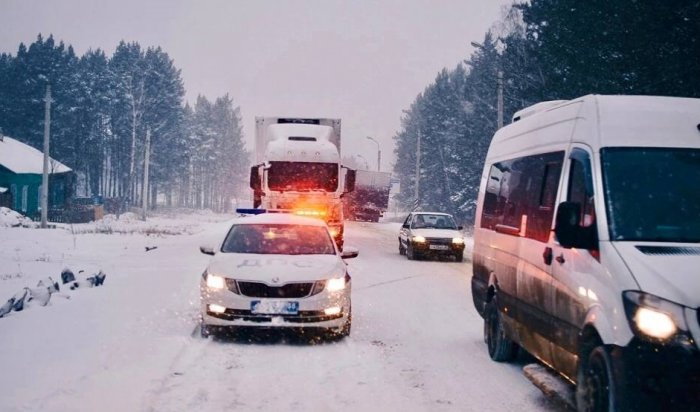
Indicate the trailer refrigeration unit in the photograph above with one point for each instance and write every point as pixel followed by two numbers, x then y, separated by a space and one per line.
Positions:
pixel 298 169
pixel 370 199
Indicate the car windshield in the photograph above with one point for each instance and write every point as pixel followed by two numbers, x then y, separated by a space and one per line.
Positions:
pixel 303 176
pixel 647 194
pixel 428 221
pixel 279 239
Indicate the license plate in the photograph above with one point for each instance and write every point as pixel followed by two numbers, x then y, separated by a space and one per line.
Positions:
pixel 439 247
pixel 274 307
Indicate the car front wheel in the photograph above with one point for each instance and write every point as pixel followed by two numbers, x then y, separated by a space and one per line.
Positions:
pixel 402 250
pixel 411 254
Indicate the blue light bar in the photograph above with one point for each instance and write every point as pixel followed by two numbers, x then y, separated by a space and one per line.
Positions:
pixel 251 211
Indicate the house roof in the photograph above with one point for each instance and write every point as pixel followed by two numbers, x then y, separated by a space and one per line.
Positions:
pixel 21 158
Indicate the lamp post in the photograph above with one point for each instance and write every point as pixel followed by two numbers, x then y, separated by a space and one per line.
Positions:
pixel 499 86
pixel 379 153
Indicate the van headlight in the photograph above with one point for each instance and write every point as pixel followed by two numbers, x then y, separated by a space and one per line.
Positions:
pixel 655 319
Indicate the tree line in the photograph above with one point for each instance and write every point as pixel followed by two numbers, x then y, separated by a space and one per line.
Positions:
pixel 545 50
pixel 103 107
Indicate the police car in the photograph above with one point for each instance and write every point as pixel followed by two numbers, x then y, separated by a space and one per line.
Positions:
pixel 277 270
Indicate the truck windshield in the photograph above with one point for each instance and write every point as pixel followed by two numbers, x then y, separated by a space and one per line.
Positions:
pixel 651 194
pixel 302 176
pixel 278 239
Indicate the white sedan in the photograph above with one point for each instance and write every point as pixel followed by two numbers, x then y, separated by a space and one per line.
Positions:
pixel 277 271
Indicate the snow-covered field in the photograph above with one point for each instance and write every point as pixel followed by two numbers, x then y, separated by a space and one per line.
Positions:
pixel 131 344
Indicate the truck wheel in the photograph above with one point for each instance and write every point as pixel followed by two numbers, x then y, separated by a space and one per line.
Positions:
pixel 501 348
pixel 599 384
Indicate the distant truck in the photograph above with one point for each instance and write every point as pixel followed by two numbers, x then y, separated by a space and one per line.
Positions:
pixel 298 169
pixel 370 199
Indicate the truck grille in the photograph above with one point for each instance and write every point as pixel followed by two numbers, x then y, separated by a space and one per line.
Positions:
pixel 261 290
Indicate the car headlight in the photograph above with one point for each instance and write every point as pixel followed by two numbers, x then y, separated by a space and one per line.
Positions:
pixel 418 239
pixel 458 240
pixel 655 319
pixel 334 285
pixel 215 282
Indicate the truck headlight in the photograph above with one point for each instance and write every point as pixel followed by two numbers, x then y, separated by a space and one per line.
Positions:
pixel 655 319
pixel 215 282
pixel 418 239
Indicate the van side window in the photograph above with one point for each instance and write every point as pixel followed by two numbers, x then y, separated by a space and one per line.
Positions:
pixel 581 187
pixel 520 195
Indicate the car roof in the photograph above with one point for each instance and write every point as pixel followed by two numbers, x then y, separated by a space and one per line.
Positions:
pixel 278 218
pixel 431 213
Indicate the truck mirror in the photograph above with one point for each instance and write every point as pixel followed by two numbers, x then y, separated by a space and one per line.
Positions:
pixel 349 180
pixel 255 182
pixel 568 229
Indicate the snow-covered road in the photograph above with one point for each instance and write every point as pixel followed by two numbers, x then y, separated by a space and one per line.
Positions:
pixel 416 343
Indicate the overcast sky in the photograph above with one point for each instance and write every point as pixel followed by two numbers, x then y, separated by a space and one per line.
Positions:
pixel 362 61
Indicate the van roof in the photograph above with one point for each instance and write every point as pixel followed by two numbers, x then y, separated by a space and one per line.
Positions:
pixel 602 121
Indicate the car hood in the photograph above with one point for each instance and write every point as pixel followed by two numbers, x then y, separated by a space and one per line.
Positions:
pixel 667 271
pixel 437 233
pixel 276 269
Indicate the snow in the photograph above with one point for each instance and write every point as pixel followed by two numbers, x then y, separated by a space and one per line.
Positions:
pixel 21 158
pixel 131 344
pixel 10 218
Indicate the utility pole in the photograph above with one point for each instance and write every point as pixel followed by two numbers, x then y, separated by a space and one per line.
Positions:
pixel 415 193
pixel 500 98
pixel 144 195
pixel 379 153
pixel 45 176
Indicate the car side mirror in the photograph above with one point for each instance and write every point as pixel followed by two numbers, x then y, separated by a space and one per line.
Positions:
pixel 568 229
pixel 460 227
pixel 405 226
pixel 349 252
pixel 207 250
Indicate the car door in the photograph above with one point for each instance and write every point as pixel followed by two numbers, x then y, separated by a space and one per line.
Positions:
pixel 405 231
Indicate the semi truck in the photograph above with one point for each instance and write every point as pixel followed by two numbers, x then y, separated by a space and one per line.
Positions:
pixel 298 169
pixel 370 199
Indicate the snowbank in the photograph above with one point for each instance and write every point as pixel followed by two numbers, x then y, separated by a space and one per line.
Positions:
pixel 10 218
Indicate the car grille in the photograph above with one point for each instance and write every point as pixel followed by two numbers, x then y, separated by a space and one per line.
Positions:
pixel 439 241
pixel 261 290
pixel 304 316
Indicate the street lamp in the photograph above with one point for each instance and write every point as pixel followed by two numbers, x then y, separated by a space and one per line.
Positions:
pixel 499 85
pixel 379 153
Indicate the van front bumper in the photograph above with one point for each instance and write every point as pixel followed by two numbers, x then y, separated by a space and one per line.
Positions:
pixel 667 377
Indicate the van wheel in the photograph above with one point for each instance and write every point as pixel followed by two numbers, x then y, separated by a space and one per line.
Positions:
pixel 501 348
pixel 598 387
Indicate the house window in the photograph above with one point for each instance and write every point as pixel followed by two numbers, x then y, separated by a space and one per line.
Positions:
pixel 25 193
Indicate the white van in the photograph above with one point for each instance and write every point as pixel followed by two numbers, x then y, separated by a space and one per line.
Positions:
pixel 587 247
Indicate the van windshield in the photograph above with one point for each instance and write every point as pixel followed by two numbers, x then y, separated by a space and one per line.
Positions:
pixel 651 194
